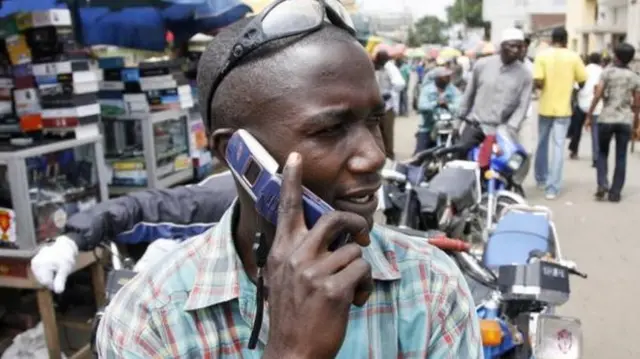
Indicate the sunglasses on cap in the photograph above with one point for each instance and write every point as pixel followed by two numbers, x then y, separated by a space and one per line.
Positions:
pixel 283 18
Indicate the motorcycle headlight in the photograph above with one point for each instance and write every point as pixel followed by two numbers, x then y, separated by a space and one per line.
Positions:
pixel 445 117
pixel 515 162
pixel 558 338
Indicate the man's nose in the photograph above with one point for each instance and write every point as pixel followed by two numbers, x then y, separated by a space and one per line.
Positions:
pixel 369 155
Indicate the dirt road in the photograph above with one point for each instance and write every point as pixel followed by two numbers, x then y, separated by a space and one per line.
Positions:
pixel 602 238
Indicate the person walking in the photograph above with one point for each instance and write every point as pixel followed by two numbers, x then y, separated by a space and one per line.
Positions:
pixel 499 88
pixel 391 83
pixel 555 71
pixel 405 70
pixel 619 89
pixel 585 96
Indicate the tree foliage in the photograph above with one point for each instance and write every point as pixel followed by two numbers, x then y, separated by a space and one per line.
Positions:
pixel 412 38
pixel 427 30
pixel 468 12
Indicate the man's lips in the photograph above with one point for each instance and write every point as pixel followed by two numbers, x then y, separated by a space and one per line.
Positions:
pixel 362 201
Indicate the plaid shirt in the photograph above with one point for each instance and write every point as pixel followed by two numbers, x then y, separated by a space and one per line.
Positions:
pixel 199 303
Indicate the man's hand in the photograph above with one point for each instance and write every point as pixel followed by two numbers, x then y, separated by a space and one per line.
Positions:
pixel 588 121
pixel 53 264
pixel 311 289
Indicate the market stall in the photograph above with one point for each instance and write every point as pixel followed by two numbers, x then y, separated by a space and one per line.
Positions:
pixel 51 149
pixel 75 129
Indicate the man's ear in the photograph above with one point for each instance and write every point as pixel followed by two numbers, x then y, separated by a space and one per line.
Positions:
pixel 219 141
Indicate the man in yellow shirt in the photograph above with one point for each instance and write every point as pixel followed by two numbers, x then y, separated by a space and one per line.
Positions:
pixel 555 72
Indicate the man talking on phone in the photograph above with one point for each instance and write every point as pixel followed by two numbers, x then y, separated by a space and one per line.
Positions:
pixel 249 289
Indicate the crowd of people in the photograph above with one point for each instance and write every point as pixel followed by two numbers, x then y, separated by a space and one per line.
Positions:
pixel 591 93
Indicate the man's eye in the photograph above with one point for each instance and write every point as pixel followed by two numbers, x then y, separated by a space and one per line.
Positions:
pixel 332 130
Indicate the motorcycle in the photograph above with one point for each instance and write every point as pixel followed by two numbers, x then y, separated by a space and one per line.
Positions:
pixel 443 127
pixel 506 170
pixel 420 197
pixel 518 284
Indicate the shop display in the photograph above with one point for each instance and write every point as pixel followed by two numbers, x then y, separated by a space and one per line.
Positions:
pixel 41 186
pixel 149 87
pixel 150 150
pixel 52 82
pixel 203 161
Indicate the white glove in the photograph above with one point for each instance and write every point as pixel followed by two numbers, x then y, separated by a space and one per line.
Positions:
pixel 53 263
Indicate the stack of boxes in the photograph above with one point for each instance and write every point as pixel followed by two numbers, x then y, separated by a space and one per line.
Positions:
pixel 55 88
pixel 9 123
pixel 149 87
pixel 132 98
pixel 203 162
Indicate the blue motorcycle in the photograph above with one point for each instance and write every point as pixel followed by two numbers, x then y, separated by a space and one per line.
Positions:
pixel 507 169
pixel 520 280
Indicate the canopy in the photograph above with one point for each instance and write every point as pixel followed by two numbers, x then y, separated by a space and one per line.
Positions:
pixel 372 43
pixel 141 27
pixel 449 52
pixel 487 48
pixel 415 53
pixel 394 50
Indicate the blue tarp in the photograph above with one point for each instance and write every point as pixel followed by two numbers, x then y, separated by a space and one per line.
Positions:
pixel 143 27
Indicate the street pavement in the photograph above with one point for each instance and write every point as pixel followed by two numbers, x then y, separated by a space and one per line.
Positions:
pixel 600 237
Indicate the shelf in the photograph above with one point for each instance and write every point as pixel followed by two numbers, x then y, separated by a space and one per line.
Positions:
pixel 169 181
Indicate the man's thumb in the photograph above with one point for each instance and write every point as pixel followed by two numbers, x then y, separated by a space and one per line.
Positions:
pixel 60 281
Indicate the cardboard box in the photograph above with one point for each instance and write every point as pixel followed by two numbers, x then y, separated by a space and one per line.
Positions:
pixel 53 17
pixel 8 27
pixel 19 51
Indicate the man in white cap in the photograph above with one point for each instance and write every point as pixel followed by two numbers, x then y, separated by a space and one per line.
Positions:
pixel 499 88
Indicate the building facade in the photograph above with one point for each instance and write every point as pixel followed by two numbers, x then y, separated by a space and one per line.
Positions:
pixel 598 25
pixel 529 15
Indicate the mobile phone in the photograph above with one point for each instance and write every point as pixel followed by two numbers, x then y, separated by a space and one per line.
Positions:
pixel 260 176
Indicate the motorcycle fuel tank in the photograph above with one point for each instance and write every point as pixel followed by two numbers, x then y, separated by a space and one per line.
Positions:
pixel 517 234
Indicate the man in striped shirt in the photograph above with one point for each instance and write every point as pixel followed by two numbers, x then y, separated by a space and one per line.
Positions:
pixel 385 295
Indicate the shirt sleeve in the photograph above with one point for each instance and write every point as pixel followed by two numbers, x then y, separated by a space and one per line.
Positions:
pixel 437 315
pixel 455 330
pixel 466 102
pixel 132 338
pixel 538 68
pixel 454 102
pixel 604 77
pixel 397 81
pixel 428 100
pixel 636 82
pixel 580 71
pixel 518 116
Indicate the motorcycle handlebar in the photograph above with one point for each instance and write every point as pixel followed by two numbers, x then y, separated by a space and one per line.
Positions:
pixel 431 154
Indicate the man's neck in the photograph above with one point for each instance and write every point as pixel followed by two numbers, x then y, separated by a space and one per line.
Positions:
pixel 558 45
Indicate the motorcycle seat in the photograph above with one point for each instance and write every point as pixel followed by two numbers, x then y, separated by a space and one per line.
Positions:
pixel 516 235
pixel 430 201
pixel 457 184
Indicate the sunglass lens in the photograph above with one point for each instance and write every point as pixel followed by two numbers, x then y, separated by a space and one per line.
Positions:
pixel 292 16
pixel 342 12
